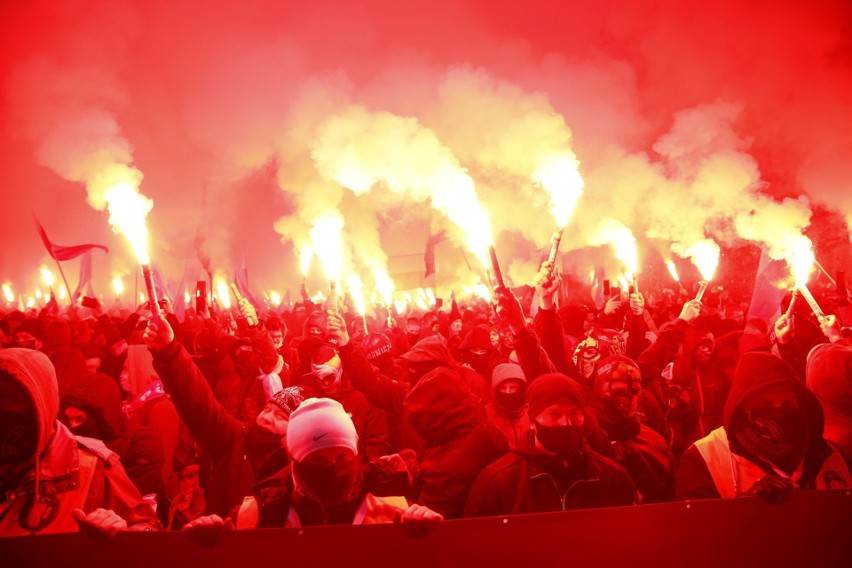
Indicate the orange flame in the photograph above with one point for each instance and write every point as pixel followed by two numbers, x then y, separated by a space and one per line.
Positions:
pixel 384 285
pixel 327 241
pixel 223 293
pixel 306 255
pixel 705 256
pixel 47 276
pixel 800 259
pixel 673 270
pixel 559 176
pixel 356 290
pixel 624 245
pixel 7 292
pixel 127 212
pixel 118 285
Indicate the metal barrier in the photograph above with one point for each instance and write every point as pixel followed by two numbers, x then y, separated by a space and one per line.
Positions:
pixel 813 529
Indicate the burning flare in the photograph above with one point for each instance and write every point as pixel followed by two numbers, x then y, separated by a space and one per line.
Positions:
pixel 559 176
pixel 46 276
pixel 127 212
pixel 223 293
pixel 705 256
pixel 118 285
pixel 327 241
pixel 8 294
pixel 306 256
pixel 800 259
pixel 673 270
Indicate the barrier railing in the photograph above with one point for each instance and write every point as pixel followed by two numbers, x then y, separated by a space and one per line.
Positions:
pixel 813 529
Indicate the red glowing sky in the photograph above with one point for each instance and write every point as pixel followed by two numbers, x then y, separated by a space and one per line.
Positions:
pixel 205 95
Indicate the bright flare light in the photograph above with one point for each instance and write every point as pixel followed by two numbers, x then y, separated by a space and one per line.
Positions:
pixel 127 211
pixel 275 298
pixel 560 177
pixel 306 255
pixel 8 294
pixel 384 285
pixel 63 293
pixel 705 256
pixel 327 241
pixel 673 270
pixel 187 298
pixel 118 285
pixel 46 276
pixel 31 302
pixel 223 293
pixel 356 290
pixel 800 259
pixel 624 245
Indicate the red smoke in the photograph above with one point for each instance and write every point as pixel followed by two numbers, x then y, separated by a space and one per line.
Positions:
pixel 208 95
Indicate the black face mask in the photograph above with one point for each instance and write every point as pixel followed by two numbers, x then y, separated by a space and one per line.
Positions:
pixel 511 402
pixel 88 429
pixel 777 435
pixel 18 437
pixel 561 440
pixel 329 484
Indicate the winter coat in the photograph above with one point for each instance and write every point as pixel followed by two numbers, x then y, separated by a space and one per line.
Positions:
pixel 140 449
pixel 234 448
pixel 458 445
pixel 529 481
pixel 71 472
pixel 717 466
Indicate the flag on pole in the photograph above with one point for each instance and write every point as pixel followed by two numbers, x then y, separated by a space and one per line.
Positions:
pixel 60 252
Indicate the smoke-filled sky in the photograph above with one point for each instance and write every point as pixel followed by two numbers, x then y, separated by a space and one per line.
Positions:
pixel 247 122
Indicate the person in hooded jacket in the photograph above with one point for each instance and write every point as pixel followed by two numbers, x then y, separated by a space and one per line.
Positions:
pixel 50 480
pixel 507 409
pixel 771 441
pixel 458 444
pixel 642 451
pixel 241 454
pixel 829 377
pixel 91 407
pixel 554 469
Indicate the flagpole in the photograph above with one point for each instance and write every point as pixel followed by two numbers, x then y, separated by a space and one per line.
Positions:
pixel 64 280
pixel 62 273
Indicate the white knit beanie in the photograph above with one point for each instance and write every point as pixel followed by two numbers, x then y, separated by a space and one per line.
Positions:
pixel 320 423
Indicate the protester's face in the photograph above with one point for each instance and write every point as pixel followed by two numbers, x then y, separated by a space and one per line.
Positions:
pixel 25 340
pixel 771 425
pixel 456 326
pixel 93 364
pixel 329 475
pixel 327 378
pixel 495 339
pixel 273 419
pixel 558 429
pixel 586 355
pixel 510 386
pixel 563 413
pixel 619 393
pixel 704 352
pixel 412 330
pixel 277 339
pixel 314 330
pixel 18 427
pixel 75 417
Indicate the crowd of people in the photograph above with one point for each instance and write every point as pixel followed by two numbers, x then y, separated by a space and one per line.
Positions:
pixel 310 416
